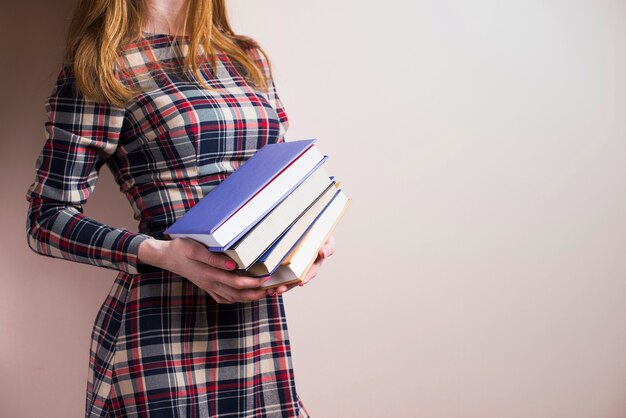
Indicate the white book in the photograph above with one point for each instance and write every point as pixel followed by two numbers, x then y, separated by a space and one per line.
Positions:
pixel 303 256
pixel 271 260
pixel 252 245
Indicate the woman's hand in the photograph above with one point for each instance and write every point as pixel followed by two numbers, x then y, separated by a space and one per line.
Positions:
pixel 207 270
pixel 326 251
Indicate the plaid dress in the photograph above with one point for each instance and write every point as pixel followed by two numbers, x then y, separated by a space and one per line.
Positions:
pixel 162 347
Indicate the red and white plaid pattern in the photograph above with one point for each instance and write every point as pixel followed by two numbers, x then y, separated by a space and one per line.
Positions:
pixel 161 347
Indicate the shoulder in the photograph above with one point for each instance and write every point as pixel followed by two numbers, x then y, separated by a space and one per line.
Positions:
pixel 65 84
pixel 257 56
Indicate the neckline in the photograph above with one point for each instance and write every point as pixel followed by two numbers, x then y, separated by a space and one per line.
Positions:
pixel 163 35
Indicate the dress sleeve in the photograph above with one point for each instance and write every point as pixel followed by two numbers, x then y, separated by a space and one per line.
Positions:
pixel 273 97
pixel 80 136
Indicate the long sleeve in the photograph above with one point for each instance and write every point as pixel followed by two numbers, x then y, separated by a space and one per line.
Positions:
pixel 80 136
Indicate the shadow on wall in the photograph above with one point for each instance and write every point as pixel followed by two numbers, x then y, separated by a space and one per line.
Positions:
pixel 47 306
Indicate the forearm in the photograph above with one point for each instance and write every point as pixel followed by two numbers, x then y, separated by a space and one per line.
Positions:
pixel 57 230
pixel 153 252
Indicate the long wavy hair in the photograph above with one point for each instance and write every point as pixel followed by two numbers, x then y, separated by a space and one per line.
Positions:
pixel 99 28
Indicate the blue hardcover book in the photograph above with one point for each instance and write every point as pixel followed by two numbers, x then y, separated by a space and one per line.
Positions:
pixel 248 194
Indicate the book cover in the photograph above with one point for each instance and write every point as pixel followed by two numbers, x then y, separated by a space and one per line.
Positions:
pixel 249 193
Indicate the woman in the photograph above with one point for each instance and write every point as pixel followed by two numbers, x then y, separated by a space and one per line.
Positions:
pixel 172 101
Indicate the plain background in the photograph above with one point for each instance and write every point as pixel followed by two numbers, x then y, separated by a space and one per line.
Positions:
pixel 481 269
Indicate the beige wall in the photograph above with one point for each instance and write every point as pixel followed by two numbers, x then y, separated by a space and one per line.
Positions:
pixel 481 269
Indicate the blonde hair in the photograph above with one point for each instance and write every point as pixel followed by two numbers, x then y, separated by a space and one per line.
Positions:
pixel 99 28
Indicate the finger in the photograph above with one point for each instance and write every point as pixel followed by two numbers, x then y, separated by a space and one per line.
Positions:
pixel 291 286
pixel 309 277
pixel 203 275
pixel 329 247
pixel 223 293
pixel 217 297
pixel 202 254
pixel 242 282
pixel 250 295
pixel 312 272
pixel 281 289
pixel 326 251
pixel 285 288
pixel 235 295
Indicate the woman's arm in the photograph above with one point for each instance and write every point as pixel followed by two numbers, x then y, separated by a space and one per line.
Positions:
pixel 80 136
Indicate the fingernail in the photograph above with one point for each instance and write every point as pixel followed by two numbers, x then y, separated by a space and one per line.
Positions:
pixel 266 279
pixel 230 264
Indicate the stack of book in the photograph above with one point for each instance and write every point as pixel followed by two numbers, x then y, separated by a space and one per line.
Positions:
pixel 272 215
